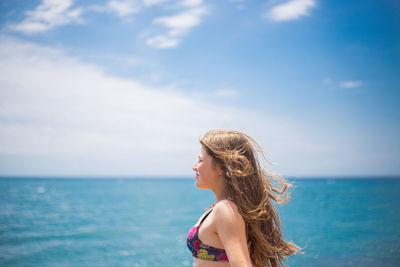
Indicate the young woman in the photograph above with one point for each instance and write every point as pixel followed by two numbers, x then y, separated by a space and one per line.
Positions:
pixel 242 228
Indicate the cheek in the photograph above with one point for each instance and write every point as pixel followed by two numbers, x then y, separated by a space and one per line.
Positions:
pixel 202 170
pixel 199 168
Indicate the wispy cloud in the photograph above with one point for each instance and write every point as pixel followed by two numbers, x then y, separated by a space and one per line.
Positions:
pixel 290 10
pixel 114 125
pixel 191 3
pixel 121 8
pixel 124 7
pixel 335 85
pixel 350 84
pixel 183 21
pixel 52 13
pixel 174 27
pixel 163 41
pixel 48 15
pixel 153 2
pixel 177 25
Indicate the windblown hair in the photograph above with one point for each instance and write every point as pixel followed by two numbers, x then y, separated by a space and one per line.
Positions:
pixel 252 190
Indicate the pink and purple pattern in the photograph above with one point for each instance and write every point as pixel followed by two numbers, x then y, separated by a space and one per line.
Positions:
pixel 201 250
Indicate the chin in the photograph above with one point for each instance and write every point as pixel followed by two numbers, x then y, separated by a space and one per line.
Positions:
pixel 200 186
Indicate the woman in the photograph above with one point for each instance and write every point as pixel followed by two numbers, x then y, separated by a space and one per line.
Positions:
pixel 242 228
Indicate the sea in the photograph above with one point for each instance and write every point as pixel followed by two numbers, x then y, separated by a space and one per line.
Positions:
pixel 143 222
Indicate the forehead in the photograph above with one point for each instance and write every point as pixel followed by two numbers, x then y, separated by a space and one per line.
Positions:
pixel 203 152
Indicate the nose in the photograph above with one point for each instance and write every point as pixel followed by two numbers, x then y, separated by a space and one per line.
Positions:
pixel 194 167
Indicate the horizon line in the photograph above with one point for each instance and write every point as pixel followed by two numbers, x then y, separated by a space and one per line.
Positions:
pixel 181 177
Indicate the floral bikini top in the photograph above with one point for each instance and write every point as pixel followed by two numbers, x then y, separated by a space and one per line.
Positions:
pixel 201 250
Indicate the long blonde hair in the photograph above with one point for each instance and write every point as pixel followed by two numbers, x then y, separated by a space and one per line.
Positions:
pixel 252 189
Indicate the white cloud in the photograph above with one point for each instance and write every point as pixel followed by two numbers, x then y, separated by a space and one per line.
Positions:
pixel 153 2
pixel 49 14
pixel 61 116
pixel 162 41
pixel 124 8
pixel 290 10
pixel 177 25
pixel 350 84
pixel 52 13
pixel 182 21
pixel 192 3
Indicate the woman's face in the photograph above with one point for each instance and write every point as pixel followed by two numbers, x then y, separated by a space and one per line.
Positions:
pixel 206 173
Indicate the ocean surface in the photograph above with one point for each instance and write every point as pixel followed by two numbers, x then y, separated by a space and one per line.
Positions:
pixel 144 222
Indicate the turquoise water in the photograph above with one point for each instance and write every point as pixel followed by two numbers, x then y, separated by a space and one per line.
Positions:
pixel 144 222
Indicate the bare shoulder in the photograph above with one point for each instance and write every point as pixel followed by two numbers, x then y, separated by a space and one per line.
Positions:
pixel 227 212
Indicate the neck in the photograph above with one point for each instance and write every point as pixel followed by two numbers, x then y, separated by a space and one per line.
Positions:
pixel 220 190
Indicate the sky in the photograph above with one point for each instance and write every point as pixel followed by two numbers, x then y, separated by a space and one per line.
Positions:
pixel 127 87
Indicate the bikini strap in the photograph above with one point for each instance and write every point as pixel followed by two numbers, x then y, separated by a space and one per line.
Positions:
pixel 205 216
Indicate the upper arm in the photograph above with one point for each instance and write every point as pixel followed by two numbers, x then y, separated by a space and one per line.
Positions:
pixel 232 233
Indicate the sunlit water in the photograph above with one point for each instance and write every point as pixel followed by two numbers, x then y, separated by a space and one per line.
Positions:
pixel 144 222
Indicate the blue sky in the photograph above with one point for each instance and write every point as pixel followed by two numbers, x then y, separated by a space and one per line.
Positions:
pixel 121 87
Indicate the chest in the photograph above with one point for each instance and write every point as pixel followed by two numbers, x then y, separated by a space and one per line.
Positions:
pixel 207 232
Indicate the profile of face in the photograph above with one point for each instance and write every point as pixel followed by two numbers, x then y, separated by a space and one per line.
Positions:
pixel 208 174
